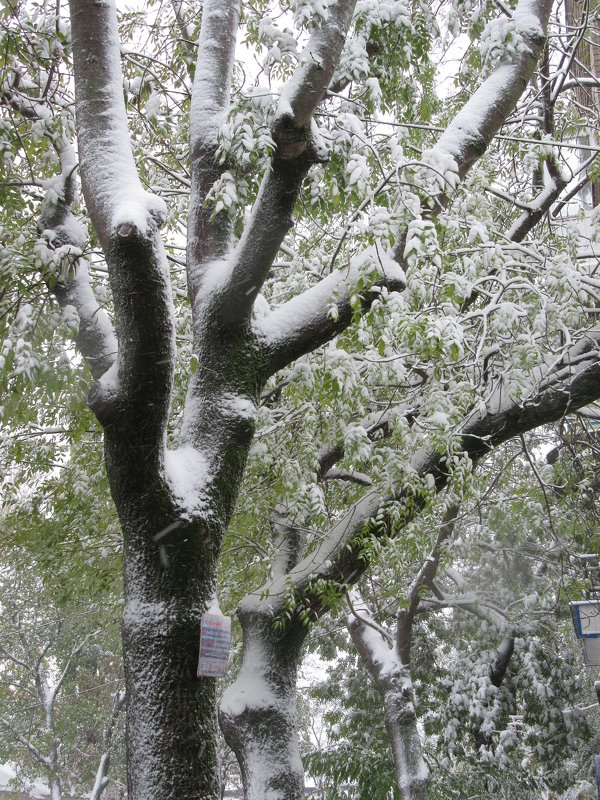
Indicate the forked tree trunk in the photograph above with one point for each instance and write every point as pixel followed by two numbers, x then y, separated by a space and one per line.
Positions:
pixel 258 711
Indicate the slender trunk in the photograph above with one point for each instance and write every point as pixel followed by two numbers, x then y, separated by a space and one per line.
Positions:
pixel 412 775
pixel 55 788
pixel 393 680
pixel 258 711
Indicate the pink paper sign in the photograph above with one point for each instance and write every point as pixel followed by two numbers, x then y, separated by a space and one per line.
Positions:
pixel 215 637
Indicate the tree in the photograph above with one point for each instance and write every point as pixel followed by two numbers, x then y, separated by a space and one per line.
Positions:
pixel 474 375
pixel 61 689
pixel 495 675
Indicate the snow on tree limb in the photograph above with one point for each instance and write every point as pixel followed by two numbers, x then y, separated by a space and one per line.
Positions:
pixel 116 200
pixel 302 94
pixel 209 234
pixel 471 131
pixel 127 220
pixel 63 238
pixel 306 321
pixel 214 69
pixel 95 336
pixel 297 147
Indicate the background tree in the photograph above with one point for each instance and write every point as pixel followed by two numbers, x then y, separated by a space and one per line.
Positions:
pixel 498 679
pixel 62 689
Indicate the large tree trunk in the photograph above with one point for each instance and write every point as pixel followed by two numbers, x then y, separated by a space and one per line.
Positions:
pixel 258 710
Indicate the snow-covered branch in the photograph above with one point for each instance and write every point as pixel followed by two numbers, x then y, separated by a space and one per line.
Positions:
pixel 471 131
pixel 61 240
pixel 314 317
pixel 468 602
pixel 63 234
pixel 116 200
pixel 209 234
pixel 127 220
pixel 392 678
pixel 35 752
pixel 102 780
pixel 304 91
pixel 297 147
pixel 307 321
pixel 571 383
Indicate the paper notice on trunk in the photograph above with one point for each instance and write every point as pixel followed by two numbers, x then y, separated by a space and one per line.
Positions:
pixel 215 637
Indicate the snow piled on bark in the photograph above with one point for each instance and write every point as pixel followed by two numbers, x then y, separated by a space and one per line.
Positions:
pixel 251 690
pixel 187 472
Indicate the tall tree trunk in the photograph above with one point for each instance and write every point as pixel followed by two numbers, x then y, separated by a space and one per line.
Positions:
pixel 171 723
pixel 258 711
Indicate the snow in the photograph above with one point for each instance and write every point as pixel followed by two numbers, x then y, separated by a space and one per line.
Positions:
pixel 381 653
pixel 35 788
pixel 249 692
pixel 238 406
pixel 216 275
pixel 107 162
pixel 210 96
pixel 306 310
pixel 139 613
pixel 139 209
pixel 187 473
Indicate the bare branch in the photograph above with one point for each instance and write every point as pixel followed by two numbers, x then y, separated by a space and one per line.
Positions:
pixel 102 780
pixel 66 668
pixel 423 580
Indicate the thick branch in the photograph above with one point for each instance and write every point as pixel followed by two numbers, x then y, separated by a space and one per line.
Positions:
pixel 297 148
pixel 503 655
pixel 208 235
pixel 305 322
pixel 113 192
pixel 305 90
pixel 475 125
pixel 127 220
pixel 317 315
pixel 392 679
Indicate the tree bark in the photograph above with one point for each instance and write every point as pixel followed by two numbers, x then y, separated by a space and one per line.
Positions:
pixel 393 680
pixel 258 710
